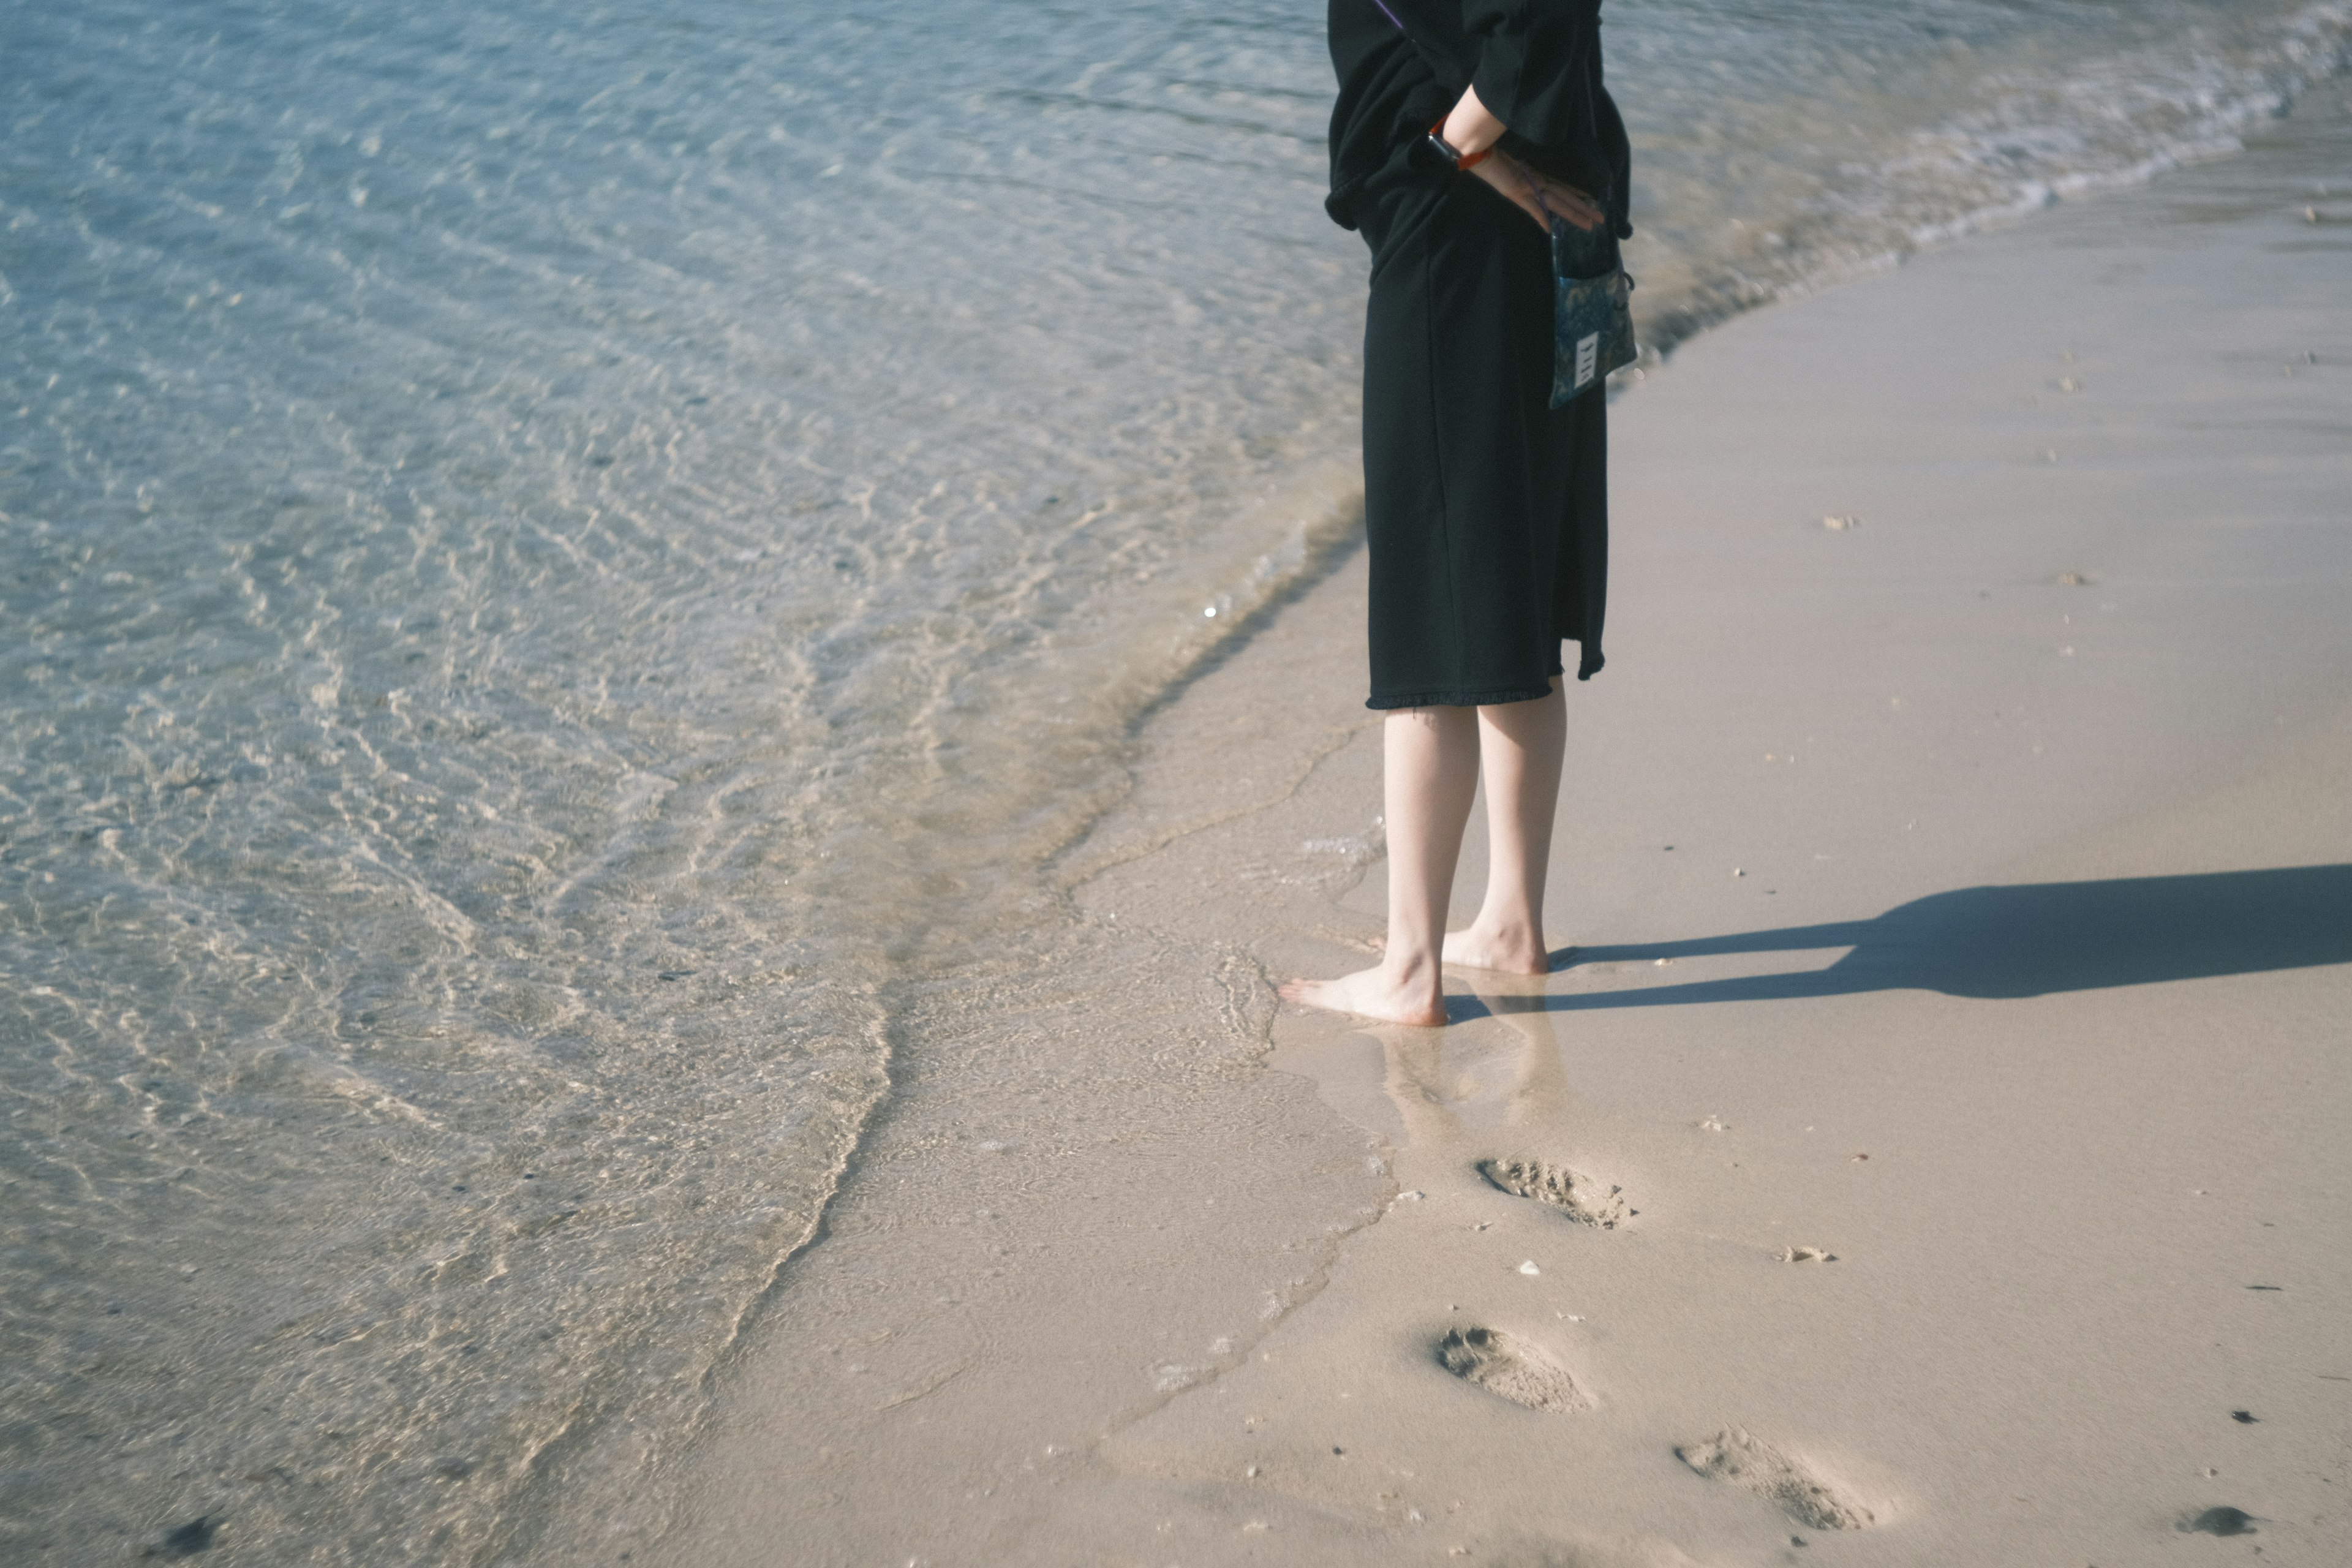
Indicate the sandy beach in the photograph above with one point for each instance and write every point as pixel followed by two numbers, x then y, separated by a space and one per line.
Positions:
pixel 679 684
pixel 1931 1151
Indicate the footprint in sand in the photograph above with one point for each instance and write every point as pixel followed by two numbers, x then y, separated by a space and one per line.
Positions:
pixel 1501 1364
pixel 1749 1462
pixel 1579 1198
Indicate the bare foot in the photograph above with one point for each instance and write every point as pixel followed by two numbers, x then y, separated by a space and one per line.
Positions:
pixel 1374 993
pixel 1507 952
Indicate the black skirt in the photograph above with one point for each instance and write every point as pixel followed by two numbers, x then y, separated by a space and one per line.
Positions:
pixel 1487 510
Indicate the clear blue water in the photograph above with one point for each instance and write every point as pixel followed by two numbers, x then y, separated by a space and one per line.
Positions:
pixel 554 560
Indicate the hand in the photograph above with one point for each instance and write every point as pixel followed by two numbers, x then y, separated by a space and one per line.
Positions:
pixel 1540 195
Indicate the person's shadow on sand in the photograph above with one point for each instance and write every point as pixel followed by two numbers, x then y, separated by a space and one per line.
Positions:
pixel 2026 941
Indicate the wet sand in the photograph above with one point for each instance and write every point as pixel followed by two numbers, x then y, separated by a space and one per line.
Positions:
pixel 1930 1151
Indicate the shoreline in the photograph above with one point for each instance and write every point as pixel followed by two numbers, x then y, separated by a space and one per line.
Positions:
pixel 1066 1431
pixel 636 746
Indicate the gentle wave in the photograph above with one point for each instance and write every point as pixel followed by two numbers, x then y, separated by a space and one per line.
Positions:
pixel 1894 150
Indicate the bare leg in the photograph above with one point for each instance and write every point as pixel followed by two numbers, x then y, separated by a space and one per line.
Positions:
pixel 1429 775
pixel 1520 745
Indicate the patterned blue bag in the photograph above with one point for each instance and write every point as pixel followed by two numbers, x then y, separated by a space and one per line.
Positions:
pixel 1592 318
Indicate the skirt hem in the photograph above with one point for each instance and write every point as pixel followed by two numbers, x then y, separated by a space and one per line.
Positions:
pixel 1489 699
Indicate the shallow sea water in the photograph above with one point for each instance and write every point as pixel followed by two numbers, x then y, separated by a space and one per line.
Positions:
pixel 563 565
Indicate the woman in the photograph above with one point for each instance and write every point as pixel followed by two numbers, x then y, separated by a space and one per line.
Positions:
pixel 1464 128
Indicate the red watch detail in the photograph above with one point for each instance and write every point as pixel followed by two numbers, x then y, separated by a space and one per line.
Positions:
pixel 1462 162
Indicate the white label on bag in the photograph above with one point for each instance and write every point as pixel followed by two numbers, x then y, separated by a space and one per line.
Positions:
pixel 1588 357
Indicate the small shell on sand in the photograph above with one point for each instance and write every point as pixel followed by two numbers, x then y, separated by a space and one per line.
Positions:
pixel 1807 1255
pixel 2072 580
pixel 1840 524
pixel 1528 1267
pixel 2068 384
pixel 1714 1124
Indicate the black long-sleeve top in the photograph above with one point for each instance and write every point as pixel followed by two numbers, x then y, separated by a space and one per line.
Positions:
pixel 1536 64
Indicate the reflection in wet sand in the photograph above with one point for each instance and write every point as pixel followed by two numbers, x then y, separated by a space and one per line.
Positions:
pixel 1448 1096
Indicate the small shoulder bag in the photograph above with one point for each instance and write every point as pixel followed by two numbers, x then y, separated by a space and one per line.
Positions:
pixel 1592 316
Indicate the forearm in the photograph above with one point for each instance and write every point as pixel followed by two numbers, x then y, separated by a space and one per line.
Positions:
pixel 1470 133
pixel 1472 127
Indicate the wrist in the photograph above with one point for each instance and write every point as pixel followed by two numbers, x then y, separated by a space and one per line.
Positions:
pixel 1470 127
pixel 1463 161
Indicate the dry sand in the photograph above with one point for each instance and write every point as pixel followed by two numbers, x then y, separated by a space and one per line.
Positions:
pixel 1935 1152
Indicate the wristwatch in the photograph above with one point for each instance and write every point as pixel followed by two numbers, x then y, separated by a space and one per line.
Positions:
pixel 1463 162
